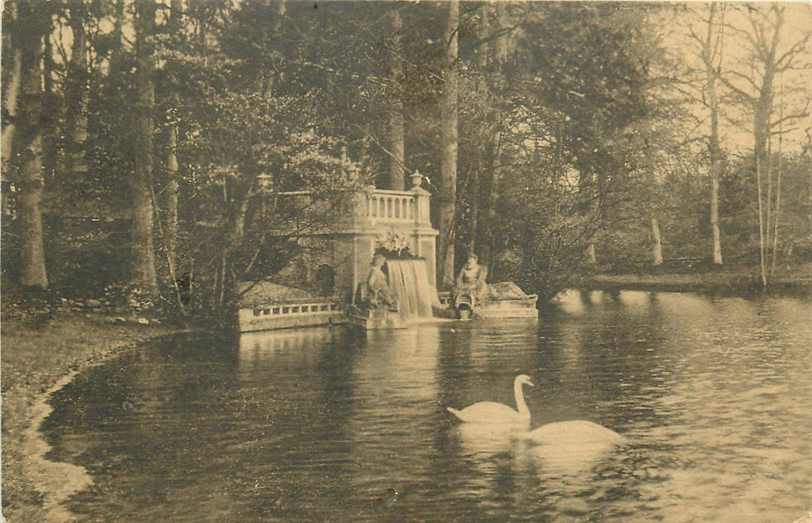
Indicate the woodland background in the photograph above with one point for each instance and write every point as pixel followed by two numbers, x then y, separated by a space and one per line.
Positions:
pixel 144 140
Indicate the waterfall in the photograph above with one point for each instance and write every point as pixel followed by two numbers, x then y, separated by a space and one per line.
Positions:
pixel 409 281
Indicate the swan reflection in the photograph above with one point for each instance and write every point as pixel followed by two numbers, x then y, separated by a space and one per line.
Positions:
pixel 567 449
pixel 485 439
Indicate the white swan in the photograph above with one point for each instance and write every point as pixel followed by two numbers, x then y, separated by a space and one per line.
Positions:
pixel 571 446
pixel 577 432
pixel 492 412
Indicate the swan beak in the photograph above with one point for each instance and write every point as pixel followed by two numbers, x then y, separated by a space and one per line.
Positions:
pixel 530 383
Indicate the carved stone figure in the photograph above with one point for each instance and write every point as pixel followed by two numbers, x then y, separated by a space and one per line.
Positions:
pixel 379 294
pixel 471 281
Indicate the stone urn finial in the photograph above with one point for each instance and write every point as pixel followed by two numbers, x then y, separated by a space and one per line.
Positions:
pixel 416 179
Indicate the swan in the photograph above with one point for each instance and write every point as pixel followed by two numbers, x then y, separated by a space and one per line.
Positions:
pixel 577 432
pixel 492 412
pixel 570 447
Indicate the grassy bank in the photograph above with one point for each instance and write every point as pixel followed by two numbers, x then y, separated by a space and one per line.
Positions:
pixel 726 282
pixel 34 358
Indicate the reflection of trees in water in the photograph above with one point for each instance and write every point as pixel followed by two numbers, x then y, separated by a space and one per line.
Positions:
pixel 394 417
pixel 304 379
pixel 141 425
pixel 706 384
pixel 605 365
pixel 190 428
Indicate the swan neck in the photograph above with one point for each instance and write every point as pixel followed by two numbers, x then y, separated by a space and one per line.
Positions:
pixel 521 406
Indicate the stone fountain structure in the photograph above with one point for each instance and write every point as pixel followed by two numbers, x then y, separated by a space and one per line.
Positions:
pixel 384 294
pixel 377 219
pixel 394 220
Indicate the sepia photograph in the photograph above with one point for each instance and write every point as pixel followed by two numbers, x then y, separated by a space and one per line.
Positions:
pixel 406 260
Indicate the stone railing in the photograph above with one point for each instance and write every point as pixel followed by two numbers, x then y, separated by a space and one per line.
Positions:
pixel 297 307
pixel 386 207
pixel 292 313
pixel 369 208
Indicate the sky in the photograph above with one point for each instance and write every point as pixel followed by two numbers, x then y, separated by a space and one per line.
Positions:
pixel 736 52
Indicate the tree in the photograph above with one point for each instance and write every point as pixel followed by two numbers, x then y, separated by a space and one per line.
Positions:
pixel 590 64
pixel 450 137
pixel 711 52
pixel 396 120
pixel 475 185
pixel 76 93
pixel 143 274
pixel 755 90
pixel 12 83
pixel 657 242
pixel 33 22
pixel 171 187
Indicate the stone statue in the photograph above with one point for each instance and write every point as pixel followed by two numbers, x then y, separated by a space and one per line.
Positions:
pixel 379 294
pixel 471 281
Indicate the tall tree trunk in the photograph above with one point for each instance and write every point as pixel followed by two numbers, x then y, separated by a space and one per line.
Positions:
pixel 489 195
pixel 473 202
pixel 118 32
pixel 51 106
pixel 761 130
pixel 714 143
pixel 475 189
pixel 776 216
pixel 171 197
pixel 171 162
pixel 397 146
pixel 657 242
pixel 11 86
pixel 450 137
pixel 761 246
pixel 591 256
pixel 76 93
pixel 762 113
pixel 143 274
pixel 33 18
pixel 778 181
pixel 235 212
pixel 767 170
pixel 717 236
pixel 490 183
pixel 503 40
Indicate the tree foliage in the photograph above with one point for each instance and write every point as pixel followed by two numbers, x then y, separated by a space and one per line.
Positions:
pixel 574 129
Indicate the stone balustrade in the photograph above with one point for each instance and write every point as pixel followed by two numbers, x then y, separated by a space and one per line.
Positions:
pixel 386 207
pixel 292 313
pixel 372 208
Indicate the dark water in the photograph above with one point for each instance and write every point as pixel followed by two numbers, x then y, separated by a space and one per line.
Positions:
pixel 714 396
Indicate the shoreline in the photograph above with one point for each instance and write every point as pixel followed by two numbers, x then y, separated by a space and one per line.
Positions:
pixel 35 487
pixel 715 282
pixel 55 480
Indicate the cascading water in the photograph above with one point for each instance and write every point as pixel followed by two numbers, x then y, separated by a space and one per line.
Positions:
pixel 409 281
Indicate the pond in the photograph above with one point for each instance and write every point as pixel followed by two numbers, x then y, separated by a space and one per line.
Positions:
pixel 712 394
